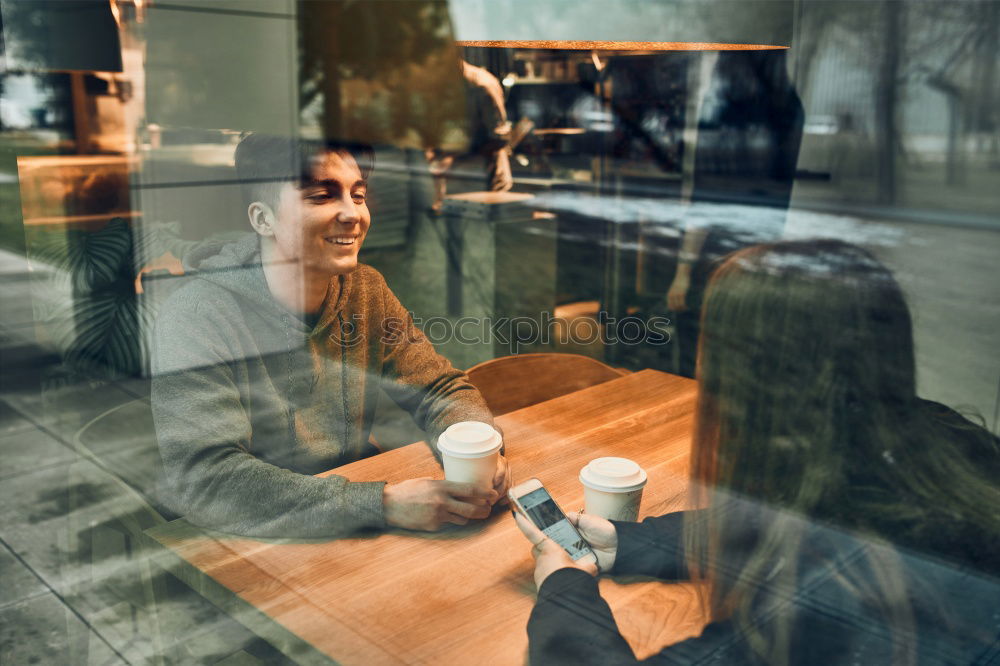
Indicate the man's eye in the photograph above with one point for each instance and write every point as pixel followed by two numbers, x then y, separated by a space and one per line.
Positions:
pixel 319 197
pixel 359 197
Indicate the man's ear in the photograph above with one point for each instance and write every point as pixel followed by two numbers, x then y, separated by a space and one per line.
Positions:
pixel 261 218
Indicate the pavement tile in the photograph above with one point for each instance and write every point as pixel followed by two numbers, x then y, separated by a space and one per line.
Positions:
pixel 11 421
pixel 17 583
pixel 19 334
pixel 136 386
pixel 45 516
pixel 29 449
pixel 64 410
pixel 60 521
pixel 17 302
pixel 42 630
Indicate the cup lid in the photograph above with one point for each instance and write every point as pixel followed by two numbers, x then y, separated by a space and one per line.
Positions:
pixel 470 439
pixel 613 475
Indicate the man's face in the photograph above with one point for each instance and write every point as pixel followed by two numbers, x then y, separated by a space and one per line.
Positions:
pixel 323 224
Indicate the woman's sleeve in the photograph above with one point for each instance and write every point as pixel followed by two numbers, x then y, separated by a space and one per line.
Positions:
pixel 654 547
pixel 572 624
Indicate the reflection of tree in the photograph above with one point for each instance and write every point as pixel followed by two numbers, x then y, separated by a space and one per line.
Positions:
pixel 382 69
pixel 950 47
pixel 965 72
pixel 814 28
pixel 61 35
pixel 886 89
pixel 22 22
pixel 985 117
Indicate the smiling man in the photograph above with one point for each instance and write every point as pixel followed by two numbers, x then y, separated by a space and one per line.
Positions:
pixel 268 365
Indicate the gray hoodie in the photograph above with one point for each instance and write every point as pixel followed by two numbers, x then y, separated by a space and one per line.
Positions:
pixel 249 401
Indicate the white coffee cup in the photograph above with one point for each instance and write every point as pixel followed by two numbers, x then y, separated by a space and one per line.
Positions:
pixel 612 488
pixel 469 451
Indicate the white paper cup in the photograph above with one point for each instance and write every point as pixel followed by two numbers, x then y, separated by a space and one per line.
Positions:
pixel 612 488
pixel 469 451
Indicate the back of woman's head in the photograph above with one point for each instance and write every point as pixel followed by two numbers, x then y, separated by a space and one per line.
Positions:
pixel 808 410
pixel 806 351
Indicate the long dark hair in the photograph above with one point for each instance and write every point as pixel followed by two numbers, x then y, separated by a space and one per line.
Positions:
pixel 808 407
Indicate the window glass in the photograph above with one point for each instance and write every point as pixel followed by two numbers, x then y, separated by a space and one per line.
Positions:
pixel 259 259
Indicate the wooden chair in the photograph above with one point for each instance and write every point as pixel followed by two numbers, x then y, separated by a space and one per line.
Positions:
pixel 512 382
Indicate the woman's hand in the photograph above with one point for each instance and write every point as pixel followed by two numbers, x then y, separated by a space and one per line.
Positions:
pixel 549 556
pixel 601 536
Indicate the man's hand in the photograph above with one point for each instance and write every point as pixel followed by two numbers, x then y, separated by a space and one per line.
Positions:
pixel 502 480
pixel 677 294
pixel 549 556
pixel 601 536
pixel 427 504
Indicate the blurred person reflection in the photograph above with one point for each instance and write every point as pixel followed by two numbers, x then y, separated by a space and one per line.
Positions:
pixel 269 362
pixel 847 521
pixel 750 128
pixel 490 135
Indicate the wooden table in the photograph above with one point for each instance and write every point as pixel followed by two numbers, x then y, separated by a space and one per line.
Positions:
pixel 462 595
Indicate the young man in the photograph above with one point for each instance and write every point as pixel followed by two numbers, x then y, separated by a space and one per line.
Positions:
pixel 268 365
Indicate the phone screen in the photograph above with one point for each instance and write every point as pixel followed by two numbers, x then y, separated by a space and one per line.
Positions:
pixel 543 512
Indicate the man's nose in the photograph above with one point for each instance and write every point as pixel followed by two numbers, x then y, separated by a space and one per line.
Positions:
pixel 347 212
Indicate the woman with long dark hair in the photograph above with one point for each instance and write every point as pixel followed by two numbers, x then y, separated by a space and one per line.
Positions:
pixel 843 520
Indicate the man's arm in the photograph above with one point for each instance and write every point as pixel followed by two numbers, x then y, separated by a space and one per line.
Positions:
pixel 204 435
pixel 422 381
pixel 425 384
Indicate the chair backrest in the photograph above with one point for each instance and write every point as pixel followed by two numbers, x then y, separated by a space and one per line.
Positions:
pixel 512 382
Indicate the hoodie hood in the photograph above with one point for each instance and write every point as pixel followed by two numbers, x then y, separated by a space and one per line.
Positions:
pixel 236 267
pixel 221 253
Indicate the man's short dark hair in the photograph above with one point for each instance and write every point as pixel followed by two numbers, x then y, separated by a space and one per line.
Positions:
pixel 265 163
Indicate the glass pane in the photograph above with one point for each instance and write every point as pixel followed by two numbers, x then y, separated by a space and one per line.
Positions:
pixel 294 291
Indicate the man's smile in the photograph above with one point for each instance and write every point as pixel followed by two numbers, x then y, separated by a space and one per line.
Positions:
pixel 341 240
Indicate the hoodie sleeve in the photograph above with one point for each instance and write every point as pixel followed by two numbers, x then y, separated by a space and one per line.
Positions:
pixel 204 435
pixel 419 379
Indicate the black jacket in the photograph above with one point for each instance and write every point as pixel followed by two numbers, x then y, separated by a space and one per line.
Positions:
pixel 957 611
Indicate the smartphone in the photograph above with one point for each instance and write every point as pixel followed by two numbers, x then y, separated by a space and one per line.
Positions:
pixel 533 501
